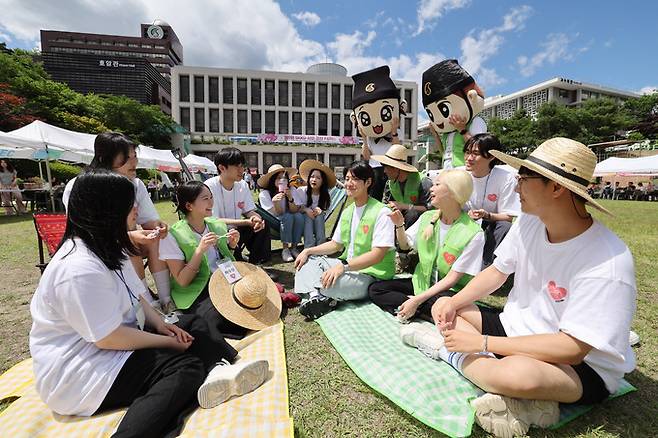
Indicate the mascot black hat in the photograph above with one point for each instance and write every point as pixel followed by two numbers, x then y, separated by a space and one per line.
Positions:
pixel 444 79
pixel 373 85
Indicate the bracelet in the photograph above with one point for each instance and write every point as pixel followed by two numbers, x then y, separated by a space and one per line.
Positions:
pixel 463 131
pixel 485 340
pixel 399 226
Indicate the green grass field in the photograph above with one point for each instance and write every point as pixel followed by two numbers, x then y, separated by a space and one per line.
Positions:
pixel 326 398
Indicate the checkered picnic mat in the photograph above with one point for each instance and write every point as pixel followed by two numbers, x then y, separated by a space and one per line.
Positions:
pixel 262 413
pixel 430 391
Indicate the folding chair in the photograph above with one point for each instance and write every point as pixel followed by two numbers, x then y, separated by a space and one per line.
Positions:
pixel 50 229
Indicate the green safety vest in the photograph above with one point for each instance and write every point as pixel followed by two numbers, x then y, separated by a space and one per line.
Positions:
pixel 434 254
pixel 411 189
pixel 187 241
pixel 457 146
pixel 384 270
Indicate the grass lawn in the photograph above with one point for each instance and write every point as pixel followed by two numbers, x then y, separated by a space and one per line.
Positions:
pixel 326 398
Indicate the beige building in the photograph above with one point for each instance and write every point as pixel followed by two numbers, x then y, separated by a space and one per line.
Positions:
pixel 564 91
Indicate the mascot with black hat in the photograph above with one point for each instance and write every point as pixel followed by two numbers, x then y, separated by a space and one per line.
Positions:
pixel 376 106
pixel 452 100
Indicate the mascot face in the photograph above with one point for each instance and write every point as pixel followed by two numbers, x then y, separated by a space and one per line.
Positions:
pixel 440 111
pixel 376 119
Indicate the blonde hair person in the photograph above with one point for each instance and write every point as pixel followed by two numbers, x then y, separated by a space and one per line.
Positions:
pixel 449 245
pixel 460 184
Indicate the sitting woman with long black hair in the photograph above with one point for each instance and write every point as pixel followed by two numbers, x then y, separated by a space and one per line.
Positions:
pixel 87 341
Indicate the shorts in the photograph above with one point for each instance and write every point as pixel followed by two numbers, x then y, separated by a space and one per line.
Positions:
pixel 594 389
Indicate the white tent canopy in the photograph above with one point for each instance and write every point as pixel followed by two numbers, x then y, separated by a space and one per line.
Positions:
pixel 631 166
pixel 150 158
pixel 200 164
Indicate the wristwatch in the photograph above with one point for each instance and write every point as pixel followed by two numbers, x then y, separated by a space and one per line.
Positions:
pixel 346 266
pixel 463 131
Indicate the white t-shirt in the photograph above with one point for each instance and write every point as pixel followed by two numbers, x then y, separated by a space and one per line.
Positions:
pixel 169 250
pixel 495 193
pixel 584 287
pixel 230 204
pixel 378 148
pixel 469 261
pixel 77 303
pixel 146 211
pixel 477 126
pixel 267 204
pixel 383 236
pixel 299 197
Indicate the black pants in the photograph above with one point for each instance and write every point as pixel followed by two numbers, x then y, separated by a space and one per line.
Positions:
pixel 494 233
pixel 159 385
pixel 390 294
pixel 218 326
pixel 379 184
pixel 258 244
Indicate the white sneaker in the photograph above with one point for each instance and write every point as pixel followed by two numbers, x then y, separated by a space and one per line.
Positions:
pixel 633 338
pixel 424 337
pixel 286 256
pixel 294 251
pixel 508 417
pixel 226 380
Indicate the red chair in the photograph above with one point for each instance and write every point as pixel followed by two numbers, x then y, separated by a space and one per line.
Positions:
pixel 50 229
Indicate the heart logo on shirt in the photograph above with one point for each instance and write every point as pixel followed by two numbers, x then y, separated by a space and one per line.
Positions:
pixel 557 293
pixel 449 258
pixel 413 198
pixel 241 205
pixel 365 229
pixel 492 197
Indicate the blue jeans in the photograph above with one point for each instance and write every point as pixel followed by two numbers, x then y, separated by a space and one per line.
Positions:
pixel 292 227
pixel 314 233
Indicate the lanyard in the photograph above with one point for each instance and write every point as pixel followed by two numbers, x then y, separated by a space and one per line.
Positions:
pixel 484 194
pixel 217 253
pixel 131 295
pixel 223 204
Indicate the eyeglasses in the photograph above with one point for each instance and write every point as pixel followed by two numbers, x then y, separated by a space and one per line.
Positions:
pixel 520 179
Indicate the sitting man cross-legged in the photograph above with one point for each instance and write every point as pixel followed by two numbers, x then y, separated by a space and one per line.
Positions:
pixel 365 234
pixel 563 334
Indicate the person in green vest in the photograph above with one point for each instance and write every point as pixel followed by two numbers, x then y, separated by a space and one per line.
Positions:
pixel 365 237
pixel 193 250
pixel 449 245
pixel 406 190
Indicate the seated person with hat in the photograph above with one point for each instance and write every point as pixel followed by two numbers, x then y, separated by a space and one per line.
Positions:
pixel 194 249
pixel 562 336
pixel 276 197
pixel 365 236
pixel 449 246
pixel 406 190
pixel 96 342
pixel 313 199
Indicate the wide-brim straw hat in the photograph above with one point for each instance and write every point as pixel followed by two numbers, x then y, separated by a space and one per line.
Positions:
pixel 567 162
pixel 308 166
pixel 264 180
pixel 252 302
pixel 396 156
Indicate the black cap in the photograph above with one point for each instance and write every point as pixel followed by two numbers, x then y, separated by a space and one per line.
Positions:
pixel 443 79
pixel 373 85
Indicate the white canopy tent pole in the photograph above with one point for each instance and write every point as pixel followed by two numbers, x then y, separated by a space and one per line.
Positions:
pixel 50 180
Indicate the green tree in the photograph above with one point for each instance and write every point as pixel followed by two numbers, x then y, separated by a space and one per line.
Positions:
pixel 643 112
pixel 600 120
pixel 145 123
pixel 516 134
pixel 555 120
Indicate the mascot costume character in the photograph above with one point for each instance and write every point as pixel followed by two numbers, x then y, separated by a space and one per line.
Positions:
pixel 452 100
pixel 376 109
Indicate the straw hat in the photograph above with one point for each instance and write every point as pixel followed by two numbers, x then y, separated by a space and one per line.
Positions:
pixel 264 180
pixel 565 161
pixel 252 302
pixel 396 156
pixel 308 166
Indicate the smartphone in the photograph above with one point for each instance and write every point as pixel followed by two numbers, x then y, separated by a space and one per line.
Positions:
pixel 282 185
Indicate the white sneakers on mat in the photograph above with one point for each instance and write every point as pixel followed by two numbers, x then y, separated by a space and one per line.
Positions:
pixel 507 417
pixel 226 380
pixel 424 337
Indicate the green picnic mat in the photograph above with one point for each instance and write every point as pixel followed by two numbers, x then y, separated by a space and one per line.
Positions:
pixel 431 391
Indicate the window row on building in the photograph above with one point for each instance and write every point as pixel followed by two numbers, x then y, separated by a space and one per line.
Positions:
pixel 255 121
pixel 108 52
pixel 95 42
pixel 269 92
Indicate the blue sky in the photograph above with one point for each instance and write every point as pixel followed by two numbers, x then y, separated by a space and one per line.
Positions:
pixel 506 45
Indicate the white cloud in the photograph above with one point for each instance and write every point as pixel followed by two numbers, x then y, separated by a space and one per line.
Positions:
pixel 649 89
pixel 429 11
pixel 479 47
pixel 309 19
pixel 554 48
